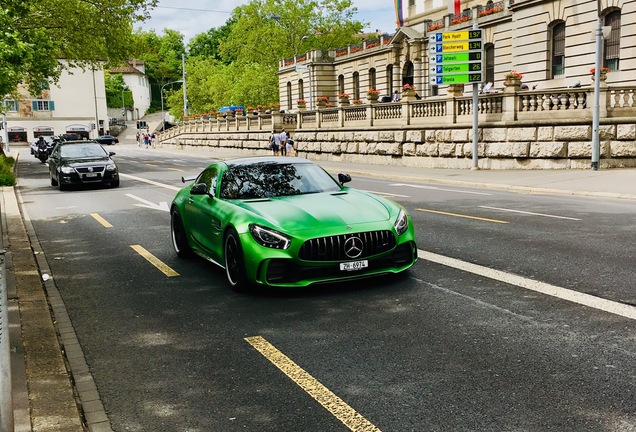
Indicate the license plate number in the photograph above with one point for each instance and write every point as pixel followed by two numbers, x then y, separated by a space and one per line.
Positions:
pixel 354 265
pixel 91 174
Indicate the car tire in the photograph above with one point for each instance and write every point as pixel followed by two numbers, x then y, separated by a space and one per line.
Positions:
pixel 179 236
pixel 53 181
pixel 234 262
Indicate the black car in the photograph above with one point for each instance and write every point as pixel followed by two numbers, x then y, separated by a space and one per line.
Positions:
pixel 80 163
pixel 107 139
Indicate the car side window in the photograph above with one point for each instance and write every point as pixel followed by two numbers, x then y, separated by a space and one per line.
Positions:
pixel 209 177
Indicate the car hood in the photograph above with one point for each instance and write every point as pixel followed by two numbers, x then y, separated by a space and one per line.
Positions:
pixel 86 161
pixel 336 209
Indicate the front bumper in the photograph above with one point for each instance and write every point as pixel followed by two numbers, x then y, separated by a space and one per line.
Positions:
pixel 288 272
pixel 75 178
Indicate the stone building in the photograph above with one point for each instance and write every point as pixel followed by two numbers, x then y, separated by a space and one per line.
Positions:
pixel 551 43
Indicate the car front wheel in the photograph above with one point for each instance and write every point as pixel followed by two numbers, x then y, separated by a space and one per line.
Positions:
pixel 179 236
pixel 234 263
pixel 53 181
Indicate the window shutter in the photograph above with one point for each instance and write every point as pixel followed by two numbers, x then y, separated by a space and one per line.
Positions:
pixel 51 106
pixel 34 105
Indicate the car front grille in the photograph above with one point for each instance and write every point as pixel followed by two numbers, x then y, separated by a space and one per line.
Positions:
pixel 90 169
pixel 346 246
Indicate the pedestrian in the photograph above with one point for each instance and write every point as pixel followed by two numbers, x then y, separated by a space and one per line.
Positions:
pixel 274 143
pixel 152 139
pixel 146 140
pixel 289 146
pixel 138 139
pixel 396 97
pixel 283 143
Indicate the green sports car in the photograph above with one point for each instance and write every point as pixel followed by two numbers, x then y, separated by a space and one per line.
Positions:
pixel 284 221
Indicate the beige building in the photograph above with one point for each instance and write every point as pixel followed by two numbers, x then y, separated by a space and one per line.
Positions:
pixel 551 43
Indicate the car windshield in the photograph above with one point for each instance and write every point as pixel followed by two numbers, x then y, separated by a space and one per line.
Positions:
pixel 82 151
pixel 266 180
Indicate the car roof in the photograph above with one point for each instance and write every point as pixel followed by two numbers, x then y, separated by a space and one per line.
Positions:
pixel 79 142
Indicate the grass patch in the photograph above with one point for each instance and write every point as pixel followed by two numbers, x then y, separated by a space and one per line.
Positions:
pixel 7 178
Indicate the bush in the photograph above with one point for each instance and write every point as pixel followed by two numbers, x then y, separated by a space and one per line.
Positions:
pixel 7 178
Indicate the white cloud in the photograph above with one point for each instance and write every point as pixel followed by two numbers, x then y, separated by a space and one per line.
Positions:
pixel 191 17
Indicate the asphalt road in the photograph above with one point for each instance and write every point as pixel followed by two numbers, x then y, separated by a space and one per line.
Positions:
pixel 463 342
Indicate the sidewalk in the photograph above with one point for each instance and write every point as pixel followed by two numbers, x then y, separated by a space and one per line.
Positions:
pixel 49 398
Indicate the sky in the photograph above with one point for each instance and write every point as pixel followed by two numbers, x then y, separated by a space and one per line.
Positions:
pixel 191 17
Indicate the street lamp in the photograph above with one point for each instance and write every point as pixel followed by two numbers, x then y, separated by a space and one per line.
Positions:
pixel 123 104
pixel 163 115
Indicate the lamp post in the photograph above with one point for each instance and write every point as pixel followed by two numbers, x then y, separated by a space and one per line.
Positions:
pixel 163 115
pixel 123 104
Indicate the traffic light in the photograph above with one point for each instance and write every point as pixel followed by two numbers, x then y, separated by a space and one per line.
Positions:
pixel 141 124
pixel 138 124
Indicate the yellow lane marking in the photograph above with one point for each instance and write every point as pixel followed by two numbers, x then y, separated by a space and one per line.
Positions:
pixel 101 220
pixel 154 261
pixel 463 216
pixel 332 403
pixel 175 169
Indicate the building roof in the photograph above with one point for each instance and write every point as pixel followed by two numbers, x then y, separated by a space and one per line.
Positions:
pixel 129 67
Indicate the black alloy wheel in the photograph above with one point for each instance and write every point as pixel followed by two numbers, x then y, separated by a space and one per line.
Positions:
pixel 234 263
pixel 179 236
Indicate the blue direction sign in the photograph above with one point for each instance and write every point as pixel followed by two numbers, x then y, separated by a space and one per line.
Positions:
pixel 456 57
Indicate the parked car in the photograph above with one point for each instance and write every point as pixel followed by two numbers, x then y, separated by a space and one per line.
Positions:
pixel 107 139
pixel 284 221
pixel 81 163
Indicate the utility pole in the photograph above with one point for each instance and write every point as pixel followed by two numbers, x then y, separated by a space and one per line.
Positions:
pixel 185 94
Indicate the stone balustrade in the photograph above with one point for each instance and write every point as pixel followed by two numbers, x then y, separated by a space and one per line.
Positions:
pixel 532 129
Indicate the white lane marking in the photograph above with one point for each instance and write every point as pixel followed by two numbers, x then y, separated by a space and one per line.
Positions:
pixel 441 189
pixel 152 182
pixel 386 194
pixel 610 306
pixel 530 213
pixel 163 205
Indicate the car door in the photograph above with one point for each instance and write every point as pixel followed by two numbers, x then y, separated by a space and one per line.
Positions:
pixel 201 217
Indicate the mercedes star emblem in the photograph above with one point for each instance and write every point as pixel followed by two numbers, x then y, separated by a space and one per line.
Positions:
pixel 353 247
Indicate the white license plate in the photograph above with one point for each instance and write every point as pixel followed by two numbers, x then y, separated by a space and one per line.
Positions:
pixel 91 174
pixel 354 265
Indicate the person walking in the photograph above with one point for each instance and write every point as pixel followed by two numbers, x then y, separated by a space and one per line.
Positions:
pixel 283 143
pixel 289 146
pixel 274 143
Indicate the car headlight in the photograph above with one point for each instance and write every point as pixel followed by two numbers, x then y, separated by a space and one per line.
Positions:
pixel 67 170
pixel 111 167
pixel 401 224
pixel 269 238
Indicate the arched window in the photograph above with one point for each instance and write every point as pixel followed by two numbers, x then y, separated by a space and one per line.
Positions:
pixel 356 85
pixel 341 84
pixel 389 79
pixel 372 79
pixel 407 73
pixel 289 95
pixel 557 49
pixel 612 45
pixel 489 63
pixel 301 89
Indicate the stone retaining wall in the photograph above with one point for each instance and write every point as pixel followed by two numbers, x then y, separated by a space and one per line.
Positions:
pixel 500 147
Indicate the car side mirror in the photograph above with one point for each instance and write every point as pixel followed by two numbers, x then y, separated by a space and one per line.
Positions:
pixel 344 178
pixel 199 189
pixel 111 153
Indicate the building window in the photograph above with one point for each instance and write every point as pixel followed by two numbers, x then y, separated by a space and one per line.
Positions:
pixel 558 50
pixel 301 89
pixel 372 80
pixel 389 79
pixel 356 85
pixel 612 45
pixel 341 84
pixel 42 105
pixel 289 95
pixel 10 105
pixel 489 63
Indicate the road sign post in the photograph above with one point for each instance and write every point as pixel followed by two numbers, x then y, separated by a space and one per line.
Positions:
pixel 458 58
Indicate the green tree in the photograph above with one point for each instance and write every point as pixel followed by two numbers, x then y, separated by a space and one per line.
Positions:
pixel 116 88
pixel 242 70
pixel 36 33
